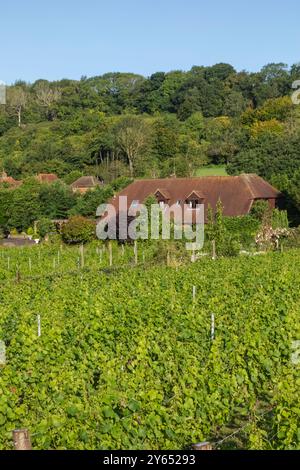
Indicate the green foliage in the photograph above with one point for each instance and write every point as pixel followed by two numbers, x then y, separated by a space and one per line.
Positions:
pixel 87 204
pixel 45 226
pixel 125 359
pixel 123 124
pixel 290 188
pixel 56 200
pixel 120 183
pixel 226 240
pixel 31 201
pixel 279 219
pixel 260 209
pixel 25 206
pixel 73 176
pixel 275 218
pixel 75 126
pixel 268 155
pixel 242 229
pixel 78 230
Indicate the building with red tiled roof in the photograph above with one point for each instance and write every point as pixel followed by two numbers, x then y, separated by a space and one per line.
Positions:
pixel 85 183
pixel 237 193
pixel 11 182
pixel 46 177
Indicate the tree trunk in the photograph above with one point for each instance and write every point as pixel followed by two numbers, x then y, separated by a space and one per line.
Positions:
pixel 130 167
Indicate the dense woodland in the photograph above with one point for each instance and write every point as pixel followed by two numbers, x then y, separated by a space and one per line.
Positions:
pixel 125 125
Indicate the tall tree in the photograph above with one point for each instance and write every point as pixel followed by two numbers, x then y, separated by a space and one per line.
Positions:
pixel 133 137
pixel 46 96
pixel 17 100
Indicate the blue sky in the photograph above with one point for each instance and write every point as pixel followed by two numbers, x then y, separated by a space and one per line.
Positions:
pixel 68 39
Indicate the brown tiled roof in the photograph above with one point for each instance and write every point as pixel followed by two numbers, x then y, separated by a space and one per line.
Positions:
pixel 9 180
pixel 235 192
pixel 163 192
pixel 85 182
pixel 47 177
pixel 198 194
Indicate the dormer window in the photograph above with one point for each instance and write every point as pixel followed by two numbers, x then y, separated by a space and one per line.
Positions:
pixel 193 204
pixel 194 199
pixel 163 197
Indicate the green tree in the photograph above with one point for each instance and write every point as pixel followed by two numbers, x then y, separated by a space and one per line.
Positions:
pixel 78 230
pixel 17 99
pixel 25 206
pixel 133 138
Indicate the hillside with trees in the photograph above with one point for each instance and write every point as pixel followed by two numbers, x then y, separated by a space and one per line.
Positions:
pixel 126 125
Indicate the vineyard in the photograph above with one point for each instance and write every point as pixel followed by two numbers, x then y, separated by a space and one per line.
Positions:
pixel 126 357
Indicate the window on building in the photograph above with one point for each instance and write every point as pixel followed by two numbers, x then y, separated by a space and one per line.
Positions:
pixel 192 203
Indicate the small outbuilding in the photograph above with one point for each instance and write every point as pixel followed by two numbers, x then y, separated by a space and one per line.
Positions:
pixel 9 181
pixel 85 183
pixel 47 177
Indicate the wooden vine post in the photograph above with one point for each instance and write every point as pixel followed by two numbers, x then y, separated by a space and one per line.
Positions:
pixel 194 293
pixel 39 325
pixel 21 438
pixel 110 253
pixel 81 249
pixel 214 254
pixel 135 249
pixel 212 328
pixel 2 353
pixel 193 255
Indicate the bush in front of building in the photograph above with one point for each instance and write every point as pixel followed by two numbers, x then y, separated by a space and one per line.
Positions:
pixel 78 229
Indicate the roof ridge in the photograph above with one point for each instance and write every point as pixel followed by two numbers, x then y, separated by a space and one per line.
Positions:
pixel 244 178
pixel 186 178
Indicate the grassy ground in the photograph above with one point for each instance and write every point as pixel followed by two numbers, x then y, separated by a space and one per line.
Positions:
pixel 213 170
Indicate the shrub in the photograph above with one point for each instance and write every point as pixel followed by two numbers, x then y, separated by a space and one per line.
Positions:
pixel 293 241
pixel 279 219
pixel 230 246
pixel 45 226
pixel 78 229
pixel 243 228
pixel 30 231
pixel 119 183
pixel 260 209
pixel 73 176
pixel 269 238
